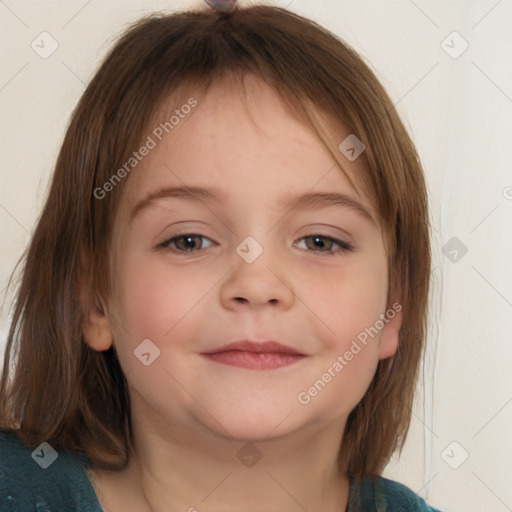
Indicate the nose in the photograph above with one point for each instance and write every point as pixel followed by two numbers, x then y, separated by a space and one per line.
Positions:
pixel 256 283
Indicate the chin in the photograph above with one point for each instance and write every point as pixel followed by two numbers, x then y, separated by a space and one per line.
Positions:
pixel 250 425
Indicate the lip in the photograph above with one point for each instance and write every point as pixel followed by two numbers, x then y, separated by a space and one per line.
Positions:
pixel 267 355
pixel 263 347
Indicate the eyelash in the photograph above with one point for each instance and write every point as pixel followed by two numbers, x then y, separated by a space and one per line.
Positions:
pixel 344 246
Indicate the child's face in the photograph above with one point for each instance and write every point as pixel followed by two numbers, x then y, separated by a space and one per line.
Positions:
pixel 258 155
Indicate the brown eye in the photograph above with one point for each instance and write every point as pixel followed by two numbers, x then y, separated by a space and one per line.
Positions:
pixel 188 242
pixel 325 244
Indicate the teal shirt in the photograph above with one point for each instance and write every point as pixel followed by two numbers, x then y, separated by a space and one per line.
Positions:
pixel 63 486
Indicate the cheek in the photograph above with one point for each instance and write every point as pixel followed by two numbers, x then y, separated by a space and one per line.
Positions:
pixel 349 307
pixel 155 295
pixel 159 302
pixel 347 299
pixel 154 301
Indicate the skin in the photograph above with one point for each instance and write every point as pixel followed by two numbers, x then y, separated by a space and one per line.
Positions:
pixel 191 416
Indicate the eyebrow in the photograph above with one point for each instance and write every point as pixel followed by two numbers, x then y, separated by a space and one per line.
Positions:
pixel 307 201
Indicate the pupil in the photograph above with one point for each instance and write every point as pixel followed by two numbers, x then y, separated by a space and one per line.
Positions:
pixel 318 240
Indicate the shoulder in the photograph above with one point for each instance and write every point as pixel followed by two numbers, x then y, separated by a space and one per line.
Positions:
pixel 383 495
pixel 42 479
pixel 399 494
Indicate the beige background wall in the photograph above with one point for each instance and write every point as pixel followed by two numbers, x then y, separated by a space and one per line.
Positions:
pixel 457 103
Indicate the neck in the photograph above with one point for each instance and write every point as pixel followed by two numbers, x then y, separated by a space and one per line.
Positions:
pixel 178 469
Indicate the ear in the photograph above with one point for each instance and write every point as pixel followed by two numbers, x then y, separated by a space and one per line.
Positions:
pixel 389 338
pixel 95 324
pixel 96 327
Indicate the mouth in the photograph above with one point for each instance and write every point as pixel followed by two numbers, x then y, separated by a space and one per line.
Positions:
pixel 266 355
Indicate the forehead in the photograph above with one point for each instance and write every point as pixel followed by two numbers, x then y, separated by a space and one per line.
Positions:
pixel 241 136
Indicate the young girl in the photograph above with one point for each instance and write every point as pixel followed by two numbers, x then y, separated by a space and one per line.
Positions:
pixel 223 305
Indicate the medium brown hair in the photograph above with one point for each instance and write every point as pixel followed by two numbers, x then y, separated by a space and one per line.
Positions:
pixel 60 390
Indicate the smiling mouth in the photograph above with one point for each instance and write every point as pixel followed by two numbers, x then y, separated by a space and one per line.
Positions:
pixel 263 355
pixel 254 360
